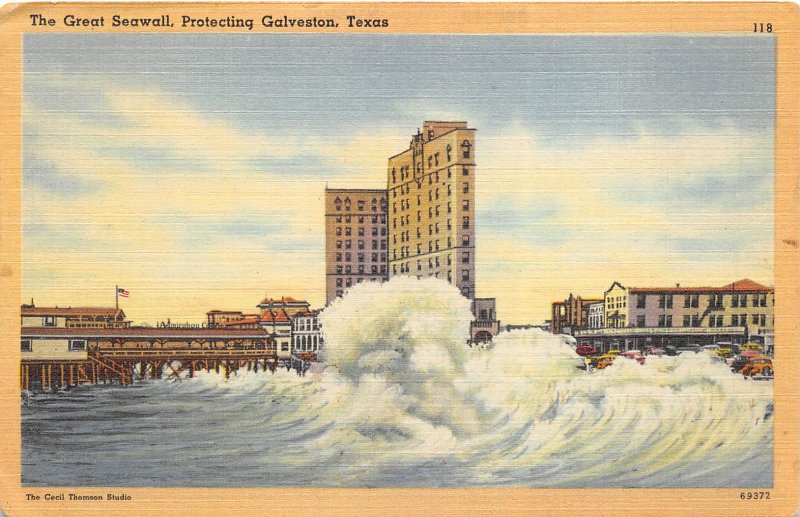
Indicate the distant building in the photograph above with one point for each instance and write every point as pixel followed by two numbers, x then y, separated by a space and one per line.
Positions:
pixel 306 333
pixel 616 306
pixel 72 317
pixel 356 239
pixel 431 188
pixel 279 326
pixel 596 318
pixel 571 314
pixel 290 306
pixel 218 318
pixel 662 316
pixel 486 325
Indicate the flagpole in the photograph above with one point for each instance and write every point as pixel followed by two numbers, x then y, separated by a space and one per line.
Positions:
pixel 116 296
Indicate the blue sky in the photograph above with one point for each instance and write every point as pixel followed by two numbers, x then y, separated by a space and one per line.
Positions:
pixel 190 168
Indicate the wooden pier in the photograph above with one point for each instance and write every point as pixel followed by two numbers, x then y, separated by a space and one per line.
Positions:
pixel 124 356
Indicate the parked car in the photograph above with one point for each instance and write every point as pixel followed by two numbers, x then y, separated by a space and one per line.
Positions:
pixel 634 354
pixel 656 351
pixel 585 350
pixel 741 360
pixel 758 367
pixel 614 352
pixel 753 346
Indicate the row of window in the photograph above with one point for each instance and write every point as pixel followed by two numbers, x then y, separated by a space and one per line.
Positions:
pixel 348 244
pixel 433 161
pixel 75 345
pixel 665 301
pixel 405 221
pixel 362 205
pixel 374 269
pixel 348 282
pixel 361 219
pixel 360 257
pixel 693 320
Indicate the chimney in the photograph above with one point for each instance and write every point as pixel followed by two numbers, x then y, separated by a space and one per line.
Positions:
pixel 677 285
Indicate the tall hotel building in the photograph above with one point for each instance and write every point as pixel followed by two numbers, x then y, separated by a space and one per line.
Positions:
pixel 431 206
pixel 356 238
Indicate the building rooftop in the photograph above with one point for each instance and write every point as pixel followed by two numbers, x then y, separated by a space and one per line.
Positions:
pixel 72 311
pixel 744 285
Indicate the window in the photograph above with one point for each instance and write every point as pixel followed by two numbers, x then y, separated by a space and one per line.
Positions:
pixel 338 245
pixel 755 319
pixel 449 150
pixel 465 146
pixel 77 345
pixel 338 257
pixel 25 345
pixel 360 244
pixel 361 257
pixel 762 300
pixel 465 241
pixel 338 282
pixel 348 231
pixel 374 270
pixel 735 318
pixel 338 218
pixel 347 218
pixel 687 321
pixel 361 231
pixel 640 320
pixel 716 301
pixel 763 320
pixel 465 171
pixel 669 320
pixel 662 320
pixel 49 321
pixel 466 222
pixel 374 244
pixel 348 282
pixel 449 208
pixel 466 187
pixel 466 204
pixel 465 257
pixel 360 270
pixel 465 274
pixel 483 314
pixel 665 301
pixel 338 270
pixel 348 244
pixel 640 301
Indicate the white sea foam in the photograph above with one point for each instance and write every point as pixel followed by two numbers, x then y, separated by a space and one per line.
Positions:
pixel 405 402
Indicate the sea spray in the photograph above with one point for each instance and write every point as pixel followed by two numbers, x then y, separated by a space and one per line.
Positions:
pixel 406 402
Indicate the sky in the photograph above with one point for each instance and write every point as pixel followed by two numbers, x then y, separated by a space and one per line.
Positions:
pixel 190 169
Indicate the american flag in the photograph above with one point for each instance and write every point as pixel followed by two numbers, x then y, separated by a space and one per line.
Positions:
pixel 122 292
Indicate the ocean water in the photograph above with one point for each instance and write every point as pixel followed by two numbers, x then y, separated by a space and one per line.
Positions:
pixel 402 401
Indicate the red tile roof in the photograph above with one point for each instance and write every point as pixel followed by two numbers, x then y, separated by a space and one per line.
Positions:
pixel 71 311
pixel 278 316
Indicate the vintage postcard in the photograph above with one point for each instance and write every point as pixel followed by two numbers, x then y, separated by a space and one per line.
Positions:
pixel 399 259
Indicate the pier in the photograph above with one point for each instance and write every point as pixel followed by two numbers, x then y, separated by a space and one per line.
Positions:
pixel 58 357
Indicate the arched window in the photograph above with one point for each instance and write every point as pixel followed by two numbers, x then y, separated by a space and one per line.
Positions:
pixel 465 145
pixel 337 203
pixel 394 178
pixel 347 203
pixel 449 150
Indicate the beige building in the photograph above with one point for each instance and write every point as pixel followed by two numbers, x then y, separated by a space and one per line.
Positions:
pixel 356 239
pixel 431 221
pixel 72 317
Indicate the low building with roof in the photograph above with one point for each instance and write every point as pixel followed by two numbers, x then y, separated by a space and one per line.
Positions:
pixel 307 337
pixel 72 317
pixel 640 317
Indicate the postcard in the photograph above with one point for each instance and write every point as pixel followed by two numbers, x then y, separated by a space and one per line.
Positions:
pixel 399 259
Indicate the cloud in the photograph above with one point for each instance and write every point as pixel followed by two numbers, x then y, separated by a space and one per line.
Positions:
pixel 694 208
